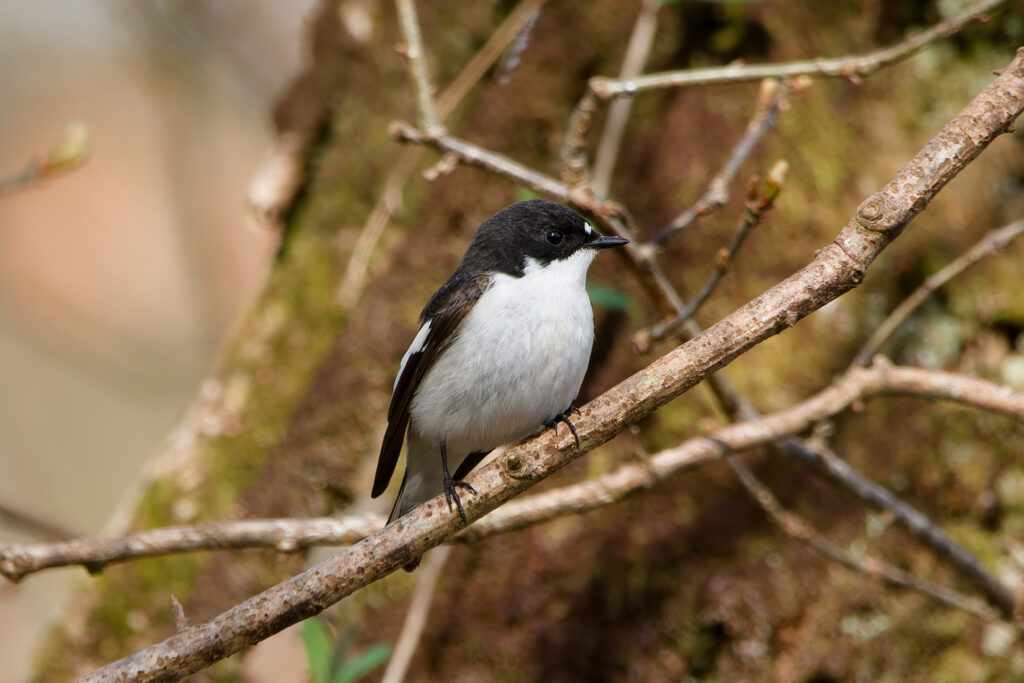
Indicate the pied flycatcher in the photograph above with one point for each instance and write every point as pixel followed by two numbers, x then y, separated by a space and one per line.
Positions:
pixel 502 350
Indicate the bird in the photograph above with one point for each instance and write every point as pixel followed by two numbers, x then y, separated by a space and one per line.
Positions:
pixel 500 354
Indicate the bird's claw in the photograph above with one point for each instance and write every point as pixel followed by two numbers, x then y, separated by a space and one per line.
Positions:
pixel 564 417
pixel 451 494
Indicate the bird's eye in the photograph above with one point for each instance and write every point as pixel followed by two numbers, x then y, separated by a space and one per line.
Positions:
pixel 554 237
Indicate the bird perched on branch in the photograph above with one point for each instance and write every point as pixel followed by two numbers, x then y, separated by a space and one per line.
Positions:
pixel 501 352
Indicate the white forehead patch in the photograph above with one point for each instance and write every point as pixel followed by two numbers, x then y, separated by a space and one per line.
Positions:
pixel 588 228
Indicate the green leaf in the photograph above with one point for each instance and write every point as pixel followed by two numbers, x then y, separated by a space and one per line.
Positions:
pixel 351 671
pixel 608 298
pixel 319 647
pixel 525 193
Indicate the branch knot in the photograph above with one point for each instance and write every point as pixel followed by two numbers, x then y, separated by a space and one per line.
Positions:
pixel 871 213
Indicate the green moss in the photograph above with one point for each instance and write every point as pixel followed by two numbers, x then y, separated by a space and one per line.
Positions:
pixel 157 502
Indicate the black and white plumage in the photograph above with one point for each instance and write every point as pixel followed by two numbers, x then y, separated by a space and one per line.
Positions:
pixel 502 350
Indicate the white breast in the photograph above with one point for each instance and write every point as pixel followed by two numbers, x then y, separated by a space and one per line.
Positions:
pixel 518 359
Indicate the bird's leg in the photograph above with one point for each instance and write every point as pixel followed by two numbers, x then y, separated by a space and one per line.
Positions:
pixel 450 484
pixel 564 417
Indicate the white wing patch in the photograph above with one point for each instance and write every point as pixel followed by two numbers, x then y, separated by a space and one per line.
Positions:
pixel 415 347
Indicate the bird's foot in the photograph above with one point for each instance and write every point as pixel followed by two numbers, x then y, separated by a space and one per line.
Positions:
pixel 564 417
pixel 450 485
pixel 450 494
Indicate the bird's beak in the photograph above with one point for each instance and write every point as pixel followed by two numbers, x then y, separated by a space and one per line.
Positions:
pixel 605 242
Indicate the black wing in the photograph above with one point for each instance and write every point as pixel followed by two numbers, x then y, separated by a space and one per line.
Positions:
pixel 445 312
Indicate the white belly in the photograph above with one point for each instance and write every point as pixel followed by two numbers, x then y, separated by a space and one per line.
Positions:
pixel 531 339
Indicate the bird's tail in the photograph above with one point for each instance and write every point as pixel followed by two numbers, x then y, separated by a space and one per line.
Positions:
pixel 423 478
pixel 401 505
pixel 404 503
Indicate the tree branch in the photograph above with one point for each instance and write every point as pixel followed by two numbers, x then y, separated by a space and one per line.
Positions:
pixel 390 197
pixel 851 66
pixel 637 51
pixel 33 523
pixel 416 618
pixel 416 61
pixel 70 152
pixel 756 207
pixel 992 243
pixel 769 103
pixel 794 527
pixel 830 466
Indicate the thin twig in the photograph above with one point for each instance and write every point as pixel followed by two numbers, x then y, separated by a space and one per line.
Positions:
pixel 513 55
pixel 832 467
pixel 291 535
pixel 70 152
pixel 416 62
pixel 794 527
pixel 505 35
pixel 416 618
pixel 180 619
pixel 637 50
pixel 770 102
pixel 390 198
pixel 573 167
pixel 34 524
pixel 851 66
pixel 284 535
pixel 758 203
pixel 472 155
pixel 992 243
pixel 609 216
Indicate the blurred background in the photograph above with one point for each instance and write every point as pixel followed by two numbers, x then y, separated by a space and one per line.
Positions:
pixel 119 278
